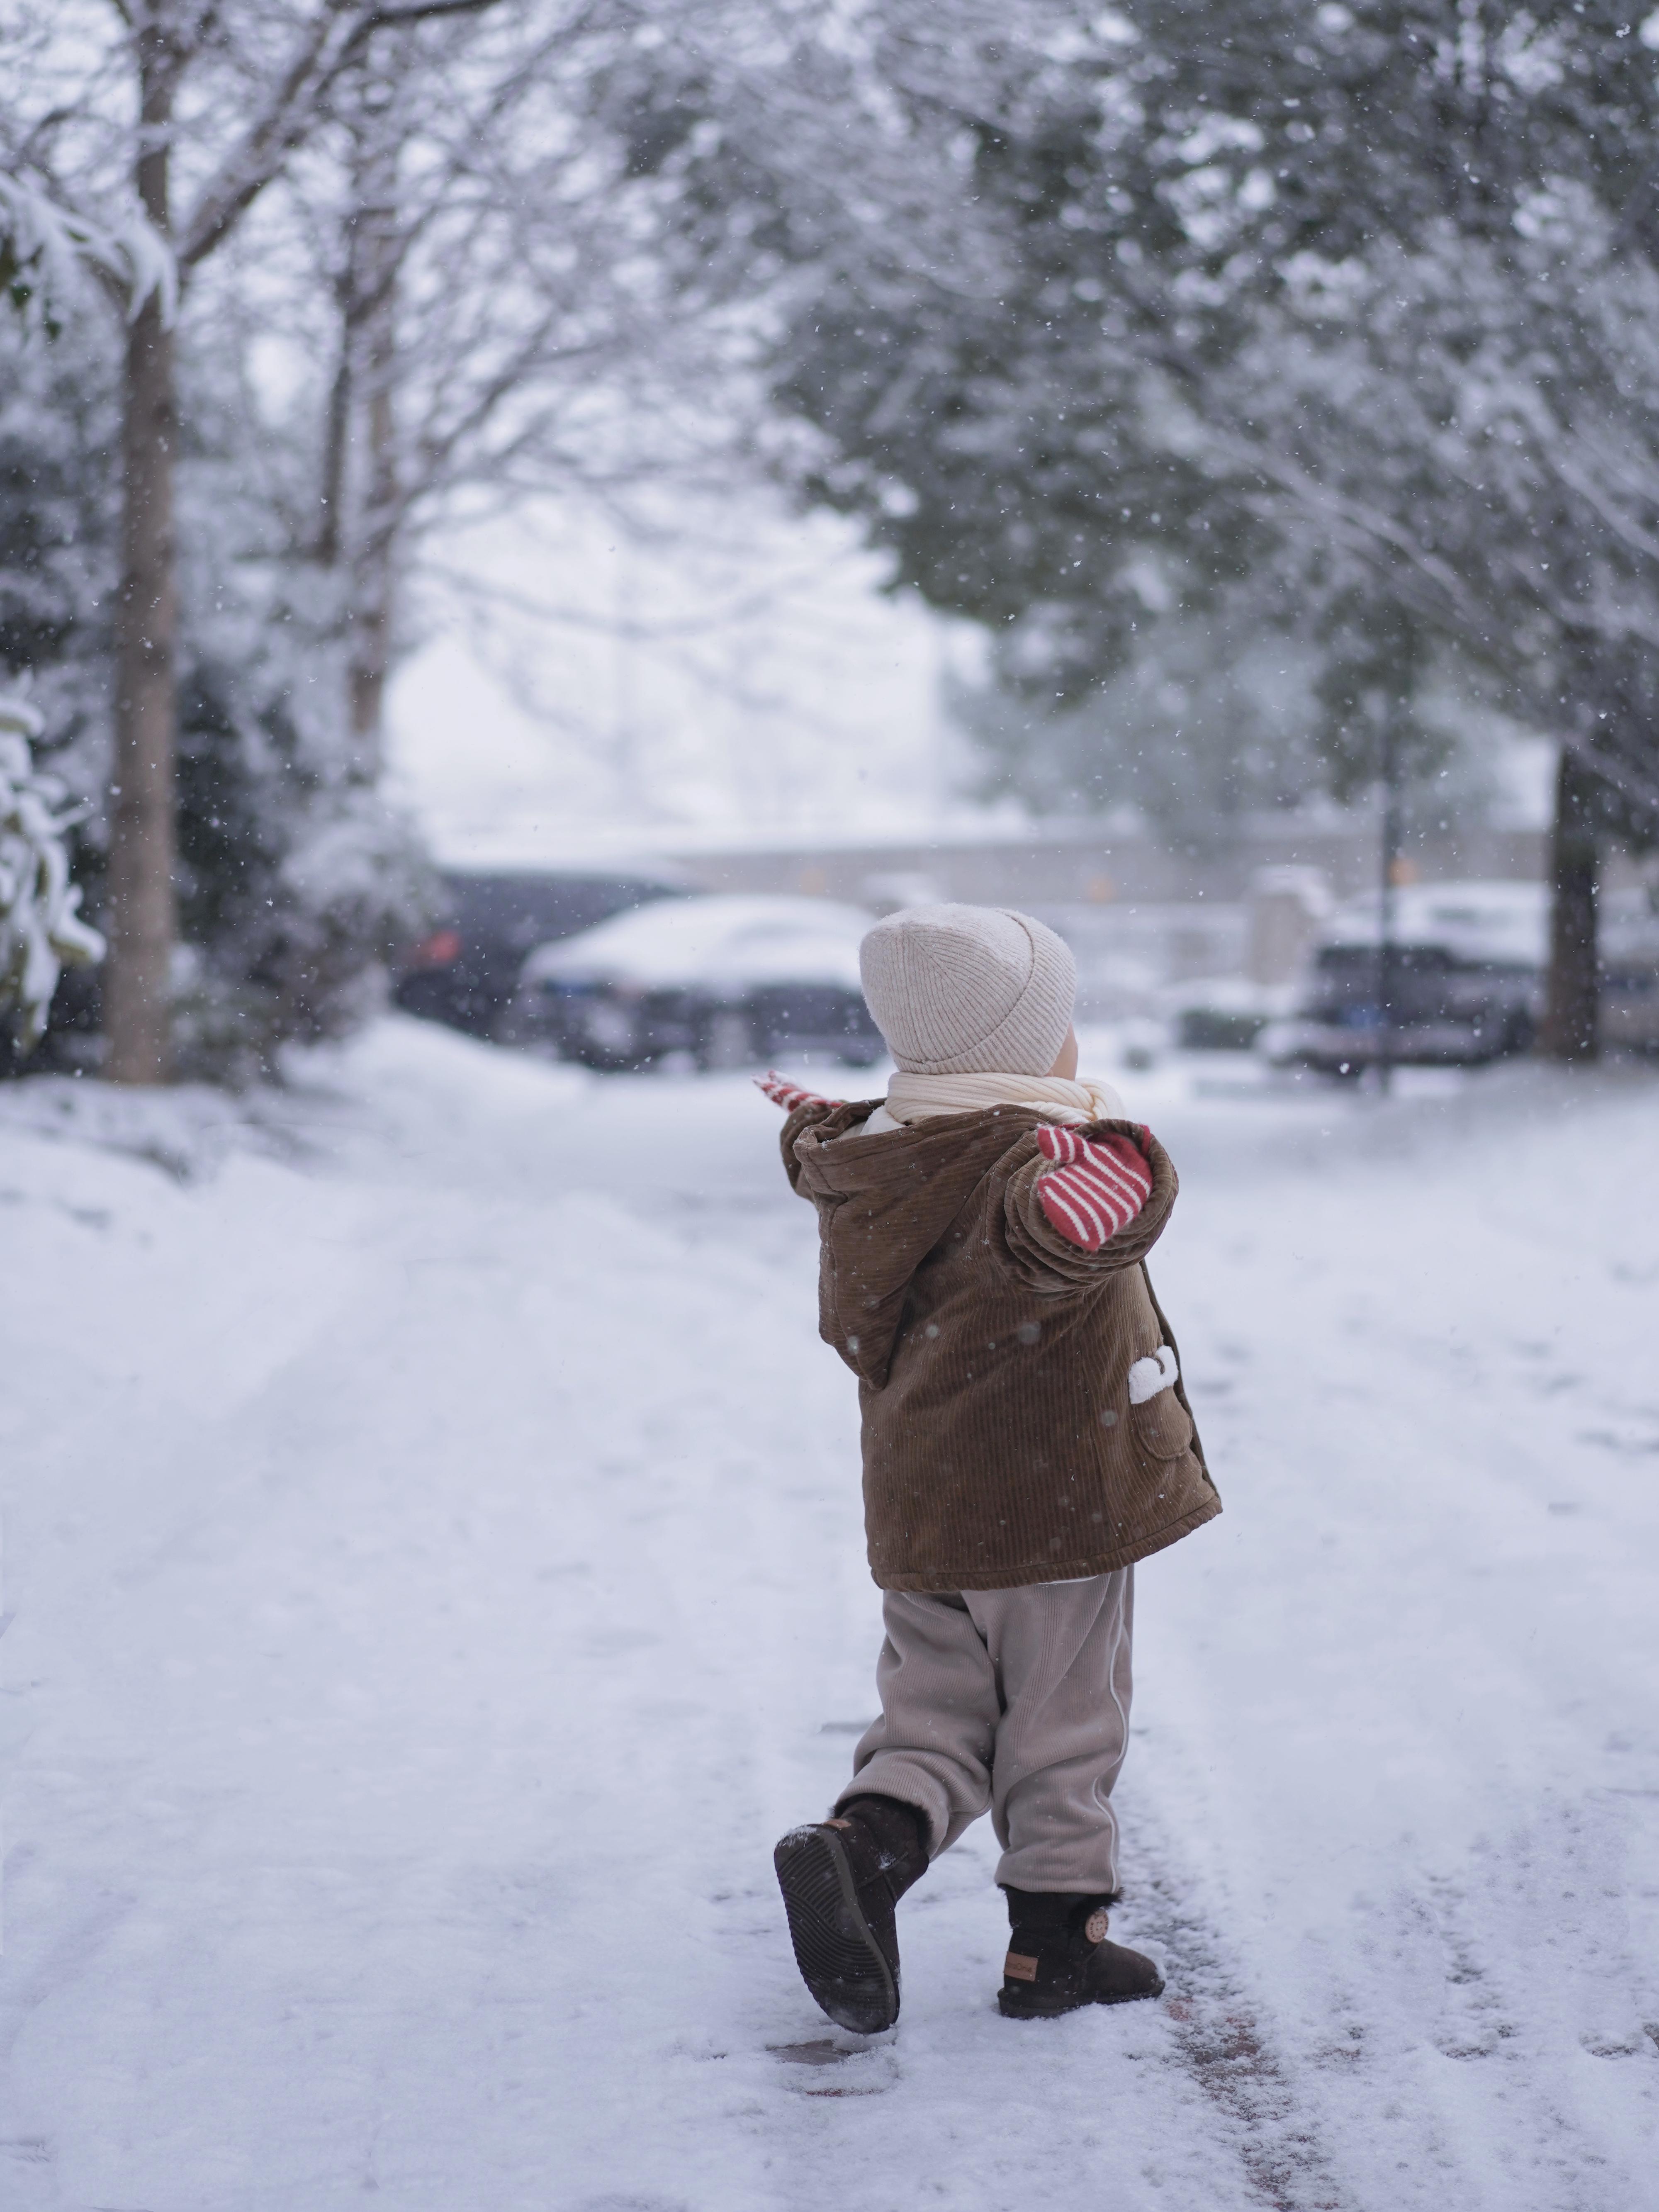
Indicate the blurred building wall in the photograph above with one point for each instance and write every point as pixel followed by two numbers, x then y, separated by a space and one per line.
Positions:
pixel 1046 865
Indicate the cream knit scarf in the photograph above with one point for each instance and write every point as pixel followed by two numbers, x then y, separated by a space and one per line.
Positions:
pixel 915 1097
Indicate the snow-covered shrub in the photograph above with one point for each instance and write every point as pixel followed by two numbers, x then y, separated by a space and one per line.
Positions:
pixel 41 931
pixel 276 946
pixel 46 253
pixel 295 886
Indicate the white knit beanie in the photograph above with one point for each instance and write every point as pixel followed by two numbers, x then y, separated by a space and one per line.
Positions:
pixel 968 990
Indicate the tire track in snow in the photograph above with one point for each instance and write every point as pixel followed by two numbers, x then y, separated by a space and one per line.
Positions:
pixel 1226 2046
pixel 1508 2125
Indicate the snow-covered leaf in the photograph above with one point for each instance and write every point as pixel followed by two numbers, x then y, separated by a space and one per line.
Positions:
pixel 45 252
pixel 42 931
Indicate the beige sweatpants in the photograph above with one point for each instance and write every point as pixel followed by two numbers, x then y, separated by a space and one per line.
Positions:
pixel 1017 1700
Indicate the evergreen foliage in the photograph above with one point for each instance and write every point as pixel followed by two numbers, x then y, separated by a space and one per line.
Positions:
pixel 41 931
pixel 1339 317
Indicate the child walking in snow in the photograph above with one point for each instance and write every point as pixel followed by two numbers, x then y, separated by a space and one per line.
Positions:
pixel 1026 1439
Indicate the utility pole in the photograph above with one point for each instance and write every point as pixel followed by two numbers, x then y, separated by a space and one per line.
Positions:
pixel 624 749
pixel 1386 914
pixel 1572 1013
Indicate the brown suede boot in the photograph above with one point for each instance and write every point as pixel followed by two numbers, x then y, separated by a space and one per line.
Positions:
pixel 1059 1958
pixel 841 1879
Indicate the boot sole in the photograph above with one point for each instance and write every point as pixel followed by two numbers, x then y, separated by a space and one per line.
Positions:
pixel 1016 2004
pixel 835 1950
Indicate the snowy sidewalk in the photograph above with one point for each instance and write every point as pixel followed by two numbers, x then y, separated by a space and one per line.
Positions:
pixel 433 1540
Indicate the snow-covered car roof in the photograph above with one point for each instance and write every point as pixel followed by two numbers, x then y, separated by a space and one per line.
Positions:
pixel 715 939
pixel 1479 921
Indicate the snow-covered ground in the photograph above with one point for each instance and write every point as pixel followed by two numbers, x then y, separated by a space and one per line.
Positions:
pixel 433 1543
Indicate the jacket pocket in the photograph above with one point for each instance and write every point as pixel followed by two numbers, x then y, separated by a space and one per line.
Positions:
pixel 1162 1425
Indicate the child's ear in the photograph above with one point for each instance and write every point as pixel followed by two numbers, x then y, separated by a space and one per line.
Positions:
pixel 1065 1066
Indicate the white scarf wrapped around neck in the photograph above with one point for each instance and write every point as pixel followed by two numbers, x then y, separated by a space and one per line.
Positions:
pixel 916 1097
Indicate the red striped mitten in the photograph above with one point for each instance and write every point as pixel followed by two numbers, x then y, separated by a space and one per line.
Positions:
pixel 782 1092
pixel 1092 1190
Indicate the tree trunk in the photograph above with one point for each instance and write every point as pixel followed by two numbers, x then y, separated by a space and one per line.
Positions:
pixel 372 565
pixel 142 905
pixel 331 521
pixel 1572 1015
pixel 377 251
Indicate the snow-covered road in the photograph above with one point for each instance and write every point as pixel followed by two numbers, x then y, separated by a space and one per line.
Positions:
pixel 433 1544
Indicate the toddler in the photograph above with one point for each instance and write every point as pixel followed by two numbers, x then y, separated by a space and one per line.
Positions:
pixel 1026 1439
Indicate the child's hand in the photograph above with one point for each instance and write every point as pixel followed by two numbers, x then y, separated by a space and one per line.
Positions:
pixel 1092 1190
pixel 790 1095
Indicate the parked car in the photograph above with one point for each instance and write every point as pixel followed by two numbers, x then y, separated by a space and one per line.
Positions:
pixel 1221 1014
pixel 466 971
pixel 734 981
pixel 1462 982
pixel 1630 969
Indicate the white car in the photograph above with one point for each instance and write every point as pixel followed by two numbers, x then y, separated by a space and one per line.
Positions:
pixel 734 980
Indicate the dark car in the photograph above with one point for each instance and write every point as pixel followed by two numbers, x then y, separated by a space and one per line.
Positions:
pixel 1461 983
pixel 1630 969
pixel 732 981
pixel 466 971
pixel 1426 1005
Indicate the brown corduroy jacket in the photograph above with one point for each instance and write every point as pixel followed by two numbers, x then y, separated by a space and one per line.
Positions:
pixel 993 1356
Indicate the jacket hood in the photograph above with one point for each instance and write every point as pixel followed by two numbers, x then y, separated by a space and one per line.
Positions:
pixel 886 1202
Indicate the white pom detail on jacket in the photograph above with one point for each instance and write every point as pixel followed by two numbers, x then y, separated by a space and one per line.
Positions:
pixel 1157 1371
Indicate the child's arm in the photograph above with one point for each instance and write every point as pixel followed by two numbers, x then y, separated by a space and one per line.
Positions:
pixel 788 1095
pixel 1090 1190
pixel 1077 1207
pixel 802 1111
